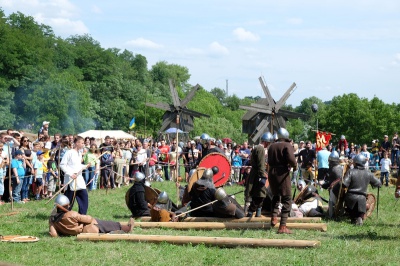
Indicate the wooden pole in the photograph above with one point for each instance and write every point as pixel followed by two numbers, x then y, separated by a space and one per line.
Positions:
pixel 9 176
pixel 219 226
pixel 177 159
pixel 261 219
pixel 209 241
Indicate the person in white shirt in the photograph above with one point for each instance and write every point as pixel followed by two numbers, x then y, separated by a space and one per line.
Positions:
pixel 386 164
pixel 72 166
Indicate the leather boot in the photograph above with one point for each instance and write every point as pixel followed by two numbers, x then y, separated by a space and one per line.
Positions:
pixel 258 212
pixel 274 221
pixel 249 214
pixel 283 230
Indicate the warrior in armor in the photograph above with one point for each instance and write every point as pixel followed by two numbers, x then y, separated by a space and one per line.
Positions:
pixel 226 206
pixel 137 202
pixel 164 210
pixel 70 223
pixel 356 181
pixel 333 180
pixel 309 202
pixel 203 192
pixel 280 159
pixel 256 190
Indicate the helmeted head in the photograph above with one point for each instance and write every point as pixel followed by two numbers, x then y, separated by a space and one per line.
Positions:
pixel 163 197
pixel 267 137
pixel 334 156
pixel 360 160
pixel 215 170
pixel 138 177
pixel 204 138
pixel 283 133
pixel 207 179
pixel 62 200
pixel 211 141
pixel 301 184
pixel 220 194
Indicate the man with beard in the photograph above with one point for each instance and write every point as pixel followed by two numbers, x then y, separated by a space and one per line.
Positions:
pixel 356 181
pixel 280 159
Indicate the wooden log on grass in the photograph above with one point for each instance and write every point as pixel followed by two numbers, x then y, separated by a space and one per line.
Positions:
pixel 232 226
pixel 209 241
pixel 261 219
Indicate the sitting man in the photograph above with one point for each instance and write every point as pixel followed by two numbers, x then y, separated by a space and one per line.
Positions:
pixel 137 202
pixel 203 192
pixel 71 223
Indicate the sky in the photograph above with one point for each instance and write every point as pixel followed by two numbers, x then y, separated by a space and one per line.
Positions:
pixel 328 48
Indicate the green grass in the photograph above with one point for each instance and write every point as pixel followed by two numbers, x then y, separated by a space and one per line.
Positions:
pixel 375 243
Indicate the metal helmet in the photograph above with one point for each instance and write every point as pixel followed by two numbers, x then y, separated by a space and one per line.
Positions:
pixel 360 160
pixel 215 169
pixel 147 183
pixel 342 137
pixel 204 138
pixel 275 136
pixel 310 191
pixel 211 141
pixel 334 156
pixel 301 184
pixel 163 197
pixel 283 133
pixel 61 200
pixel 207 174
pixel 267 137
pixel 220 194
pixel 138 177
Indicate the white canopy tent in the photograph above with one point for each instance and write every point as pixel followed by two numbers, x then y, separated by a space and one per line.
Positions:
pixel 101 134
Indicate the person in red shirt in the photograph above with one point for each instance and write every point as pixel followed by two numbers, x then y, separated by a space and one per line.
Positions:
pixel 164 157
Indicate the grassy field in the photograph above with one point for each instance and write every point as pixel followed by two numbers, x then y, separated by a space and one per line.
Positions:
pixel 375 243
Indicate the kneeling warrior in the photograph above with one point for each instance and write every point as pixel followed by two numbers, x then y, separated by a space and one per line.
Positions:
pixel 71 223
pixel 164 210
pixel 333 181
pixel 356 181
pixel 203 192
pixel 226 206
pixel 137 202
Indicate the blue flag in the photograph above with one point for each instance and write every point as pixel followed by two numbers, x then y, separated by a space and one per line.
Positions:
pixel 132 123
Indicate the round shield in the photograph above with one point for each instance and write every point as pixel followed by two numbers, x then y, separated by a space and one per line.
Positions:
pixel 224 167
pixel 198 172
pixel 371 202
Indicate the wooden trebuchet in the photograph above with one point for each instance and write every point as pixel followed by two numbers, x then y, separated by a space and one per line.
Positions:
pixel 209 241
pixel 219 226
pixel 262 219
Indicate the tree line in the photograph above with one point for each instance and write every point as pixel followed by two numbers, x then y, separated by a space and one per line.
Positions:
pixel 78 85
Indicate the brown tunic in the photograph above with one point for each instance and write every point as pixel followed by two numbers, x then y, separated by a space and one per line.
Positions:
pixel 280 159
pixel 254 188
pixel 73 223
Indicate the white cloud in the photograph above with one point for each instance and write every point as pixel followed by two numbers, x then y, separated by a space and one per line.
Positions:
pixel 396 61
pixel 294 21
pixel 143 43
pixel 243 35
pixel 97 10
pixel 218 49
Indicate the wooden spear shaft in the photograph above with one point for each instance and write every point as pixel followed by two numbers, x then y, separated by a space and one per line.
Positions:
pixel 209 241
pixel 261 219
pixel 177 159
pixel 9 176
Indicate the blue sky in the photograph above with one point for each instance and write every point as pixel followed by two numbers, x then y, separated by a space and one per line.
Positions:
pixel 327 47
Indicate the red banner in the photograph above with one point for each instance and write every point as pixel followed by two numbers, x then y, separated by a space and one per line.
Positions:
pixel 322 138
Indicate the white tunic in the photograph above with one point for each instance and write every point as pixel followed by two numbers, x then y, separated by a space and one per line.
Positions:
pixel 71 164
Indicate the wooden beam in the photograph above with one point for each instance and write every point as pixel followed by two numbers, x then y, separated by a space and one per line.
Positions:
pixel 219 226
pixel 162 106
pixel 256 109
pixel 285 96
pixel 174 94
pixel 190 95
pixel 193 113
pixel 242 220
pixel 290 114
pixel 209 241
pixel 270 100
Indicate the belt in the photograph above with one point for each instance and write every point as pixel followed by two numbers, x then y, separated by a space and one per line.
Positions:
pixel 357 193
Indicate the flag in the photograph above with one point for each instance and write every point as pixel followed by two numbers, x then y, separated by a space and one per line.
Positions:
pixel 132 123
pixel 322 138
